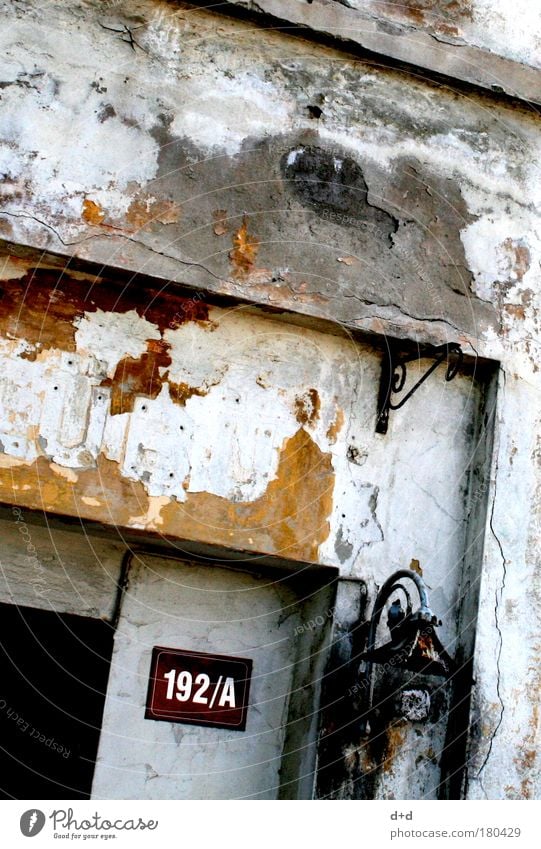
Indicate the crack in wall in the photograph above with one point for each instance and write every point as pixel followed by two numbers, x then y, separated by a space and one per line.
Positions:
pixel 94 236
pixel 497 604
pixel 400 311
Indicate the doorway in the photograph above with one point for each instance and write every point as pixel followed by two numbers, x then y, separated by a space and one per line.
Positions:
pixel 53 678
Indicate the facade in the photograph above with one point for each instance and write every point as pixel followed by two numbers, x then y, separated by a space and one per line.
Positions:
pixel 222 228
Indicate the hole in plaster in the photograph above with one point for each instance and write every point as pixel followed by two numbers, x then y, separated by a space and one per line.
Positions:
pixel 314 111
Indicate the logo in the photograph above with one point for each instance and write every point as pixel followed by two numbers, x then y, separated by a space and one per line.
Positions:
pixel 32 822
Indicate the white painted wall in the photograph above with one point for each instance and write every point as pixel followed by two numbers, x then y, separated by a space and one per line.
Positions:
pixel 218 611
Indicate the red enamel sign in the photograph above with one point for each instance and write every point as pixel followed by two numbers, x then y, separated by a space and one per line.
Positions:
pixel 198 688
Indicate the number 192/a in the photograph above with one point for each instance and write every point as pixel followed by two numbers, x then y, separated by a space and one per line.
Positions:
pixel 181 684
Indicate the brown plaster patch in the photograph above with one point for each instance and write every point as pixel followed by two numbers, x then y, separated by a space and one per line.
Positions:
pixel 110 497
pixel 31 308
pixel 336 426
pixel 180 392
pixel 291 518
pixel 415 566
pixel 307 407
pixel 148 210
pixel 41 305
pixel 139 376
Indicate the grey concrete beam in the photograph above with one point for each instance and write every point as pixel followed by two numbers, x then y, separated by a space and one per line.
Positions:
pixel 425 54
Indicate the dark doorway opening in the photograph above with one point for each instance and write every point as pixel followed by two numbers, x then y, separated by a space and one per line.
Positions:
pixel 53 679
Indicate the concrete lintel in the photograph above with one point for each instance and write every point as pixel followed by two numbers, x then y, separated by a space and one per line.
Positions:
pixel 440 59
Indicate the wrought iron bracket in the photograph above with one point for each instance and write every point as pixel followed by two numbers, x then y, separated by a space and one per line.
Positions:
pixel 394 373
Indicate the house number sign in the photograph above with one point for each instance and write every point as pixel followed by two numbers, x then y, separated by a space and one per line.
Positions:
pixel 198 689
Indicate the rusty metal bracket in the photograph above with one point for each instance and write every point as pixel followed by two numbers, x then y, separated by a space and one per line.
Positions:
pixel 394 373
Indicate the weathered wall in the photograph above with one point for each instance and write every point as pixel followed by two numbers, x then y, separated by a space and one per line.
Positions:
pixel 190 155
pixel 173 185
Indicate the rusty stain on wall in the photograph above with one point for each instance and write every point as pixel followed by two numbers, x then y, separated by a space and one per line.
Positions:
pixel 244 253
pixel 41 306
pixel 395 734
pixel 192 309
pixel 92 212
pixel 520 257
pixel 440 15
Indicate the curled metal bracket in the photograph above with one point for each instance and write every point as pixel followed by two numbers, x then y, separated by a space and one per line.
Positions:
pixel 394 372
pixel 413 646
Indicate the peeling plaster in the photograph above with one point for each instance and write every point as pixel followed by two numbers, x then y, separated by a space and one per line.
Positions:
pixel 237 432
pixel 209 447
